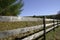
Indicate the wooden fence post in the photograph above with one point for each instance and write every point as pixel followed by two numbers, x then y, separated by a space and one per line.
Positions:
pixel 44 25
pixel 54 29
pixel 53 25
pixel 57 23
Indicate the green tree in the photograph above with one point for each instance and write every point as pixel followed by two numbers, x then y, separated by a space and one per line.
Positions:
pixel 58 15
pixel 10 7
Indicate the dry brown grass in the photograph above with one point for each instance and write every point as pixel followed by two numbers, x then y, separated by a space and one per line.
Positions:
pixel 15 25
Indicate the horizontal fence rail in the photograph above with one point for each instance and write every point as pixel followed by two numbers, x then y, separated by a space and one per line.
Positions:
pixel 16 18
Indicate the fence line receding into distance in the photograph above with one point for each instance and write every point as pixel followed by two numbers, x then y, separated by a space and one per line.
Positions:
pixel 43 32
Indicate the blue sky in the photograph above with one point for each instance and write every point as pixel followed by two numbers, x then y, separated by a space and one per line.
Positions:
pixel 40 7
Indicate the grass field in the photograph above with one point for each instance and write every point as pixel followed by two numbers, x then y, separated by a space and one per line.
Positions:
pixel 54 35
pixel 15 25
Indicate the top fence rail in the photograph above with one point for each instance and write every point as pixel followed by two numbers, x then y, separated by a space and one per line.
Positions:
pixel 16 18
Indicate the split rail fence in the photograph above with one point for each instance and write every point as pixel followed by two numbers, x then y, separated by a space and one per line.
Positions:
pixel 55 24
pixel 34 36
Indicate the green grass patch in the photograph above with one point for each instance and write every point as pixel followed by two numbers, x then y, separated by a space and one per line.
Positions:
pixel 53 35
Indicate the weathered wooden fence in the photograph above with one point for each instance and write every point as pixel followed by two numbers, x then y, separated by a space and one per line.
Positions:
pixel 43 32
pixel 33 36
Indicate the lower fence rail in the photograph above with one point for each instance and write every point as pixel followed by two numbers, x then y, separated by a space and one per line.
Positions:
pixel 37 35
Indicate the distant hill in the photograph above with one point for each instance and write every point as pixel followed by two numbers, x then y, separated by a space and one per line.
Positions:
pixel 47 16
pixel 56 16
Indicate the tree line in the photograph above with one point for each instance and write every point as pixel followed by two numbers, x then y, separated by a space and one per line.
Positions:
pixel 56 16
